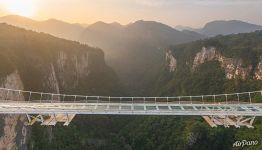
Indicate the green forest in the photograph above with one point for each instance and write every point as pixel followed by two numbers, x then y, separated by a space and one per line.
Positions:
pixel 170 132
pixel 32 54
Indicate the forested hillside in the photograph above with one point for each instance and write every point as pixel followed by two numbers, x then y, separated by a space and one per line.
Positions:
pixel 40 62
pixel 135 50
pixel 222 64
pixel 199 67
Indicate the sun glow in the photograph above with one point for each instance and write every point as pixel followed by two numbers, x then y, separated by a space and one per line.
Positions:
pixel 20 7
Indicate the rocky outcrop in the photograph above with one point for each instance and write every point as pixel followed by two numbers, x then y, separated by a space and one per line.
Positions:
pixel 12 137
pixel 65 72
pixel 233 67
pixel 52 81
pixel 12 81
pixel 71 68
pixel 81 64
pixel 258 71
pixel 171 61
pixel 205 55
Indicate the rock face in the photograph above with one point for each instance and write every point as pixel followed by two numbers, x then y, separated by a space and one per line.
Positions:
pixel 171 61
pixel 205 55
pixel 52 80
pixel 79 64
pixel 233 67
pixel 11 137
pixel 258 72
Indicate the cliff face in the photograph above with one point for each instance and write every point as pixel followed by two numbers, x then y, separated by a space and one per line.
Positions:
pixel 222 64
pixel 71 66
pixel 258 72
pixel 39 62
pixel 11 138
pixel 171 61
pixel 233 67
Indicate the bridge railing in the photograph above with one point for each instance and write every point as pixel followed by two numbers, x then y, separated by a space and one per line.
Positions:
pixel 11 95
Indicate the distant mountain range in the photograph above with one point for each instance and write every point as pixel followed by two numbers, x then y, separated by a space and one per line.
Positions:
pixel 222 27
pixel 125 46
pixel 135 51
pixel 52 26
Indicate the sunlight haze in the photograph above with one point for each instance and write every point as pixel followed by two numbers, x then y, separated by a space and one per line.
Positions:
pixel 194 13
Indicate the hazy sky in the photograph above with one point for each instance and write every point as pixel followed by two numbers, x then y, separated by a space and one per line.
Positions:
pixel 193 13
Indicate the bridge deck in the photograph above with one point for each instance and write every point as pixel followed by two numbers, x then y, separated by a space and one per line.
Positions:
pixel 19 107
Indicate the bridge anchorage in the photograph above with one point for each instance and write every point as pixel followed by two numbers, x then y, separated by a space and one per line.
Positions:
pixel 234 109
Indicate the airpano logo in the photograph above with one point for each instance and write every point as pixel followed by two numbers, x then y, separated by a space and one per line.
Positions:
pixel 244 143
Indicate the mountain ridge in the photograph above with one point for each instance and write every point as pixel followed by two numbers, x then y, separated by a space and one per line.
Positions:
pixel 223 27
pixel 127 47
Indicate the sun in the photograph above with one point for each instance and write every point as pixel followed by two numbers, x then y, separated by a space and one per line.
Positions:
pixel 20 7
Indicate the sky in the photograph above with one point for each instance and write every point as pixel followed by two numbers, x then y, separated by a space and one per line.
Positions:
pixel 194 13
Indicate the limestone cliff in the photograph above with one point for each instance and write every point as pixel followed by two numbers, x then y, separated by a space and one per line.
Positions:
pixel 171 61
pixel 71 66
pixel 11 137
pixel 233 67
pixel 258 71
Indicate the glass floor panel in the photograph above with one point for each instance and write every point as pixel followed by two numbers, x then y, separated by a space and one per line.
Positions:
pixel 151 108
pixel 163 108
pixel 114 107
pixel 138 107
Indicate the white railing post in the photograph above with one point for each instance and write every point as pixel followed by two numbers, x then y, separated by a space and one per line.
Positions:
pixel 179 99
pixel 155 100
pixel 191 99
pixel 6 98
pixel 238 99
pixel 226 98
pixel 250 99
pixel 29 96
pixel 19 95
pixel 203 99
pixel 52 98
pixel 41 97
pixel 214 98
